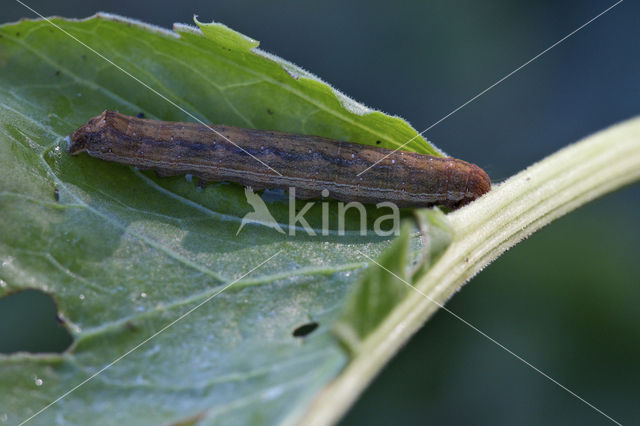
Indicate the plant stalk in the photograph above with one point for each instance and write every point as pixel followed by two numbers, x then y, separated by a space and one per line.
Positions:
pixel 484 230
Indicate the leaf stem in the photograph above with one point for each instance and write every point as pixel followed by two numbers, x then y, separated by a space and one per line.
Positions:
pixel 483 231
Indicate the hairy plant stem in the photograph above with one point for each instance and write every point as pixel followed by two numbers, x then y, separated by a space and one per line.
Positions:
pixel 483 231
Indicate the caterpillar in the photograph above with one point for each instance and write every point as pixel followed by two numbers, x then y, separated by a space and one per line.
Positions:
pixel 265 159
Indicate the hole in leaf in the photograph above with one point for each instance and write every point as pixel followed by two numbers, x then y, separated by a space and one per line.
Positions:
pixel 305 329
pixel 29 322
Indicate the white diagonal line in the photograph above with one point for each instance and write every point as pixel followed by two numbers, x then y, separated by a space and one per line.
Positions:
pixel 163 329
pixel 152 89
pixel 500 345
pixel 496 83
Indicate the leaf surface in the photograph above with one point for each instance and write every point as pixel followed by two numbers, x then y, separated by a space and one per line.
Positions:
pixel 125 254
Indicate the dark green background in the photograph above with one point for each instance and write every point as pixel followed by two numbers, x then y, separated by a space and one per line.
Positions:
pixel 567 299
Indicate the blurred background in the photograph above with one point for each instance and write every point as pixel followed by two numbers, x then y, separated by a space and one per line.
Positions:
pixel 568 299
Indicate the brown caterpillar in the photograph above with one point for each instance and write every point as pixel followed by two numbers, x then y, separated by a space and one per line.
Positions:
pixel 309 164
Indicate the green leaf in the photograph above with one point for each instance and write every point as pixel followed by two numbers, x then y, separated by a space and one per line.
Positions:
pixel 226 37
pixel 388 281
pixel 124 253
